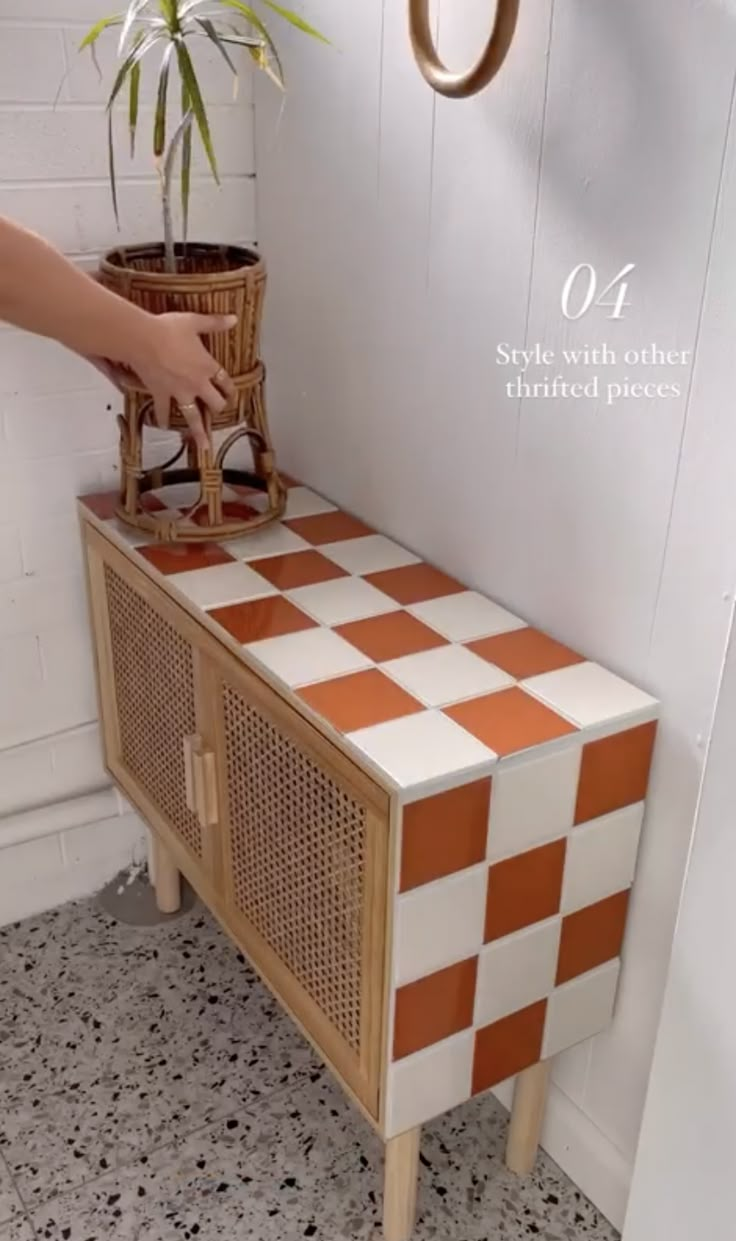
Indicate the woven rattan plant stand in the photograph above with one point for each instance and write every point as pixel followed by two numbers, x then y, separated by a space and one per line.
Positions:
pixel 209 280
pixel 416 815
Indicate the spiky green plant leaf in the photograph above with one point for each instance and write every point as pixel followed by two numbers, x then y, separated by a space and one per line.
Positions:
pixel 215 38
pixel 133 98
pixel 93 35
pixel 295 20
pixel 143 45
pixel 251 16
pixel 189 78
pixel 133 11
pixel 159 122
pixel 111 168
pixel 168 12
pixel 176 23
pixel 186 164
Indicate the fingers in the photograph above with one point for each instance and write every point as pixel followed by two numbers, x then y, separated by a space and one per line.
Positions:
pixel 205 324
pixel 213 399
pixel 193 417
pixel 225 384
pixel 162 409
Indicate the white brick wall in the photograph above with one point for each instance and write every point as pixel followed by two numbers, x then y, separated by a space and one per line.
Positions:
pixel 53 869
pixel 57 415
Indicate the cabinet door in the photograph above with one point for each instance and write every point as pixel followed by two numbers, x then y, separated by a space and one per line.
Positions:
pixel 305 848
pixel 148 667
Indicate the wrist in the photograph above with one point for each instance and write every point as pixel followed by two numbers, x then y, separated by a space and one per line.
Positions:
pixel 137 339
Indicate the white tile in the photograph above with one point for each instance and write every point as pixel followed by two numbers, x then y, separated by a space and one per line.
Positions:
pixel 580 1008
pixel 128 534
pixel 601 857
pixel 342 600
pixel 516 971
pixel 439 924
pixel 311 655
pixel 429 1083
pixel 422 747
pixel 532 802
pixel 220 584
pixel 178 495
pixel 273 540
pixel 465 616
pixel 370 554
pixel 446 674
pixel 588 694
pixel 300 502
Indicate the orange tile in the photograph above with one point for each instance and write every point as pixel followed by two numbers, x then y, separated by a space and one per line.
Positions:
pixel 103 504
pixel 262 618
pixel 180 557
pixel 245 490
pixel 390 636
pixel 298 569
pixel 525 652
pixel 434 1007
pixel 444 833
pixel 232 510
pixel 414 583
pixel 614 771
pixel 592 936
pixel 328 527
pixel 509 720
pixel 359 700
pixel 508 1046
pixel 524 889
pixel 151 503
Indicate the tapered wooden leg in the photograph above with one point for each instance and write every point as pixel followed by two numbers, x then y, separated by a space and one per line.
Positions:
pixel 166 879
pixel 400 1185
pixel 527 1114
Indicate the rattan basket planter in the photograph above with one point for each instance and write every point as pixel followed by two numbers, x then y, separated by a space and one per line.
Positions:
pixel 211 279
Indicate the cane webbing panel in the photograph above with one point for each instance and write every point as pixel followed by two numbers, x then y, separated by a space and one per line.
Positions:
pixel 298 861
pixel 154 693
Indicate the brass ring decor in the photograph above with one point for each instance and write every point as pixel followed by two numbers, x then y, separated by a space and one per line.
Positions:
pixel 460 85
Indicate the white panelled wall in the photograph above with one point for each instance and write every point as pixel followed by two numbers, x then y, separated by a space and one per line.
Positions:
pixel 407 236
pixel 58 438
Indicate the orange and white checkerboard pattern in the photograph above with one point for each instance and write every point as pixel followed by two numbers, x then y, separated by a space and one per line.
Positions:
pixel 521 768
pixel 510 914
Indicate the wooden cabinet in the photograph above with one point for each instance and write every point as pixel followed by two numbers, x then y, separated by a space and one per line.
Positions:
pixel 378 859
pixel 284 838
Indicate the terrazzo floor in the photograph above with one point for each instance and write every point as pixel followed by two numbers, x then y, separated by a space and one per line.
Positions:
pixel 150 1089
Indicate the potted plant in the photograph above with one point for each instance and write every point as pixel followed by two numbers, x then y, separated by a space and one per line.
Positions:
pixel 173 274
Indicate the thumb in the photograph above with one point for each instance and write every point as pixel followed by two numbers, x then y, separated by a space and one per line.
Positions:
pixel 205 324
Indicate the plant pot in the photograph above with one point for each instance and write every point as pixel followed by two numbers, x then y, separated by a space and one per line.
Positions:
pixel 210 279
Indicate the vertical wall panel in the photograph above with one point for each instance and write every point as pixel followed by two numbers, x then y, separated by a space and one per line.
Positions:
pixel 406 238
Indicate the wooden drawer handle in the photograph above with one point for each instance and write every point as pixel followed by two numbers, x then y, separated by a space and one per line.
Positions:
pixel 200 774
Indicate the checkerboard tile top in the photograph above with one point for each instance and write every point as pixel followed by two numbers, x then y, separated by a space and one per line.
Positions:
pixel 518 767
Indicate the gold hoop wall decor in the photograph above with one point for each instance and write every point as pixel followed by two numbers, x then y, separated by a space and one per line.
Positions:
pixel 460 85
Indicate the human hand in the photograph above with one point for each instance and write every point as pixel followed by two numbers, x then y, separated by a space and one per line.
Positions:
pixel 112 371
pixel 174 365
